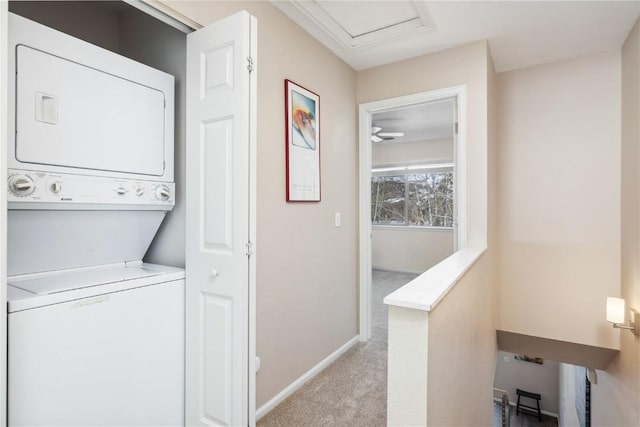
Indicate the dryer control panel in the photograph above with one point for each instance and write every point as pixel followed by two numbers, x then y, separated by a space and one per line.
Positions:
pixel 41 190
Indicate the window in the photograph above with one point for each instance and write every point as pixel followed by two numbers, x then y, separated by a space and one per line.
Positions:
pixel 417 196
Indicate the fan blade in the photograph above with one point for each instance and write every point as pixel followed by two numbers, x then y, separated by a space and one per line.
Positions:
pixel 391 134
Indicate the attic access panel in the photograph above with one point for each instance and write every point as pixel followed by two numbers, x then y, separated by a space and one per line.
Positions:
pixel 355 26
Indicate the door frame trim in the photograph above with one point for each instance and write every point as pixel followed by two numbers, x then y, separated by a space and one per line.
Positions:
pixel 253 199
pixel 366 110
pixel 4 101
pixel 165 14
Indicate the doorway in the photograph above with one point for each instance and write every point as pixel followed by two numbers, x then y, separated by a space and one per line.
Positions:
pixel 373 118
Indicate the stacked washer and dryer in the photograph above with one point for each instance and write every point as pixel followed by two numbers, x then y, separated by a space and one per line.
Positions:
pixel 96 336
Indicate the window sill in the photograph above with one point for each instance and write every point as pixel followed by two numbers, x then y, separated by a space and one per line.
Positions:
pixel 409 228
pixel 427 290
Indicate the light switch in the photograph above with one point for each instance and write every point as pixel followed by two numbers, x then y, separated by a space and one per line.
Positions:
pixel 338 219
pixel 505 358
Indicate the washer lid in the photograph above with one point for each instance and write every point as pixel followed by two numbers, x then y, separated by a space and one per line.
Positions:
pixel 83 279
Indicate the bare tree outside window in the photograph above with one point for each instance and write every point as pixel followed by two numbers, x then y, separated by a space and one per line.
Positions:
pixel 388 199
pixel 430 199
pixel 413 198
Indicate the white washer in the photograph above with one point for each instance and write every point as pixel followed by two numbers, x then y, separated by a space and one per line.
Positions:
pixel 97 346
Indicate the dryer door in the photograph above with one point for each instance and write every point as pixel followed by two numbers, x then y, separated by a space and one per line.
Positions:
pixel 75 116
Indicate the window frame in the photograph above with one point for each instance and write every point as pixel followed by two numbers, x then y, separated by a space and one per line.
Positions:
pixel 405 170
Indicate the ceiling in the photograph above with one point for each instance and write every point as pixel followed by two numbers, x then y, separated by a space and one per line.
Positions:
pixel 368 33
pixel 425 122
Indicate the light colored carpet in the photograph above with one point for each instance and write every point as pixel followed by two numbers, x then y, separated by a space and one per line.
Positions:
pixel 352 391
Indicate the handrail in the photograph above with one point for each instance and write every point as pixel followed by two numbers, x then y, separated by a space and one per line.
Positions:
pixel 504 402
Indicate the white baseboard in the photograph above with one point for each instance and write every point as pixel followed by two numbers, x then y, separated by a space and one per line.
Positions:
pixel 291 388
pixel 542 411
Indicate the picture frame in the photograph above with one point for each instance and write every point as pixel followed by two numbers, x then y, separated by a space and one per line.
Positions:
pixel 302 130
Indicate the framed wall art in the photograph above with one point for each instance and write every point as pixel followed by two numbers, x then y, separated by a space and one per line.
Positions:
pixel 302 112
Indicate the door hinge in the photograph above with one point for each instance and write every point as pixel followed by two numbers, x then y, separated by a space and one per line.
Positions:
pixel 250 64
pixel 456 128
pixel 249 246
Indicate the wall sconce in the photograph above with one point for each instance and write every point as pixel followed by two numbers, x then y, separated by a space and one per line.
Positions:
pixel 615 315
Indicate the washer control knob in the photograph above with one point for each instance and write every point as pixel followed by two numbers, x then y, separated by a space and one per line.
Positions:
pixel 121 190
pixel 21 185
pixel 55 187
pixel 139 191
pixel 163 193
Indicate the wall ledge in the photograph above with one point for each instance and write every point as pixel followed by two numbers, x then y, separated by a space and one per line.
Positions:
pixel 590 356
pixel 427 290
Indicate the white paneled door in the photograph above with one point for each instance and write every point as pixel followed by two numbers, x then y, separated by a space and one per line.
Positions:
pixel 220 265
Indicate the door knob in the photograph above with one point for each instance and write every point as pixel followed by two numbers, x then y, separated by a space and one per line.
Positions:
pixel 214 272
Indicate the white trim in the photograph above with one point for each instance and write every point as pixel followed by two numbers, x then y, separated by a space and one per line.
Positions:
pixel 154 10
pixel 253 180
pixel 542 411
pixel 291 388
pixel 446 167
pixel 427 290
pixel 461 170
pixel 4 44
pixel 364 223
pixel 364 184
pixel 166 14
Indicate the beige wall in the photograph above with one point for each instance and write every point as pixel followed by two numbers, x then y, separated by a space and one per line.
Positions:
pixel 558 161
pixel 543 379
pixel 461 328
pixel 306 268
pixel 616 397
pixel 412 250
pixel 462 352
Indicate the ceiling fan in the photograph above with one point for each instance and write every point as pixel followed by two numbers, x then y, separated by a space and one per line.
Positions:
pixel 377 136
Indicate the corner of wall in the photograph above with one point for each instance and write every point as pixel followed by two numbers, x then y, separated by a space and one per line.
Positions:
pixel 616 396
pixel 492 177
